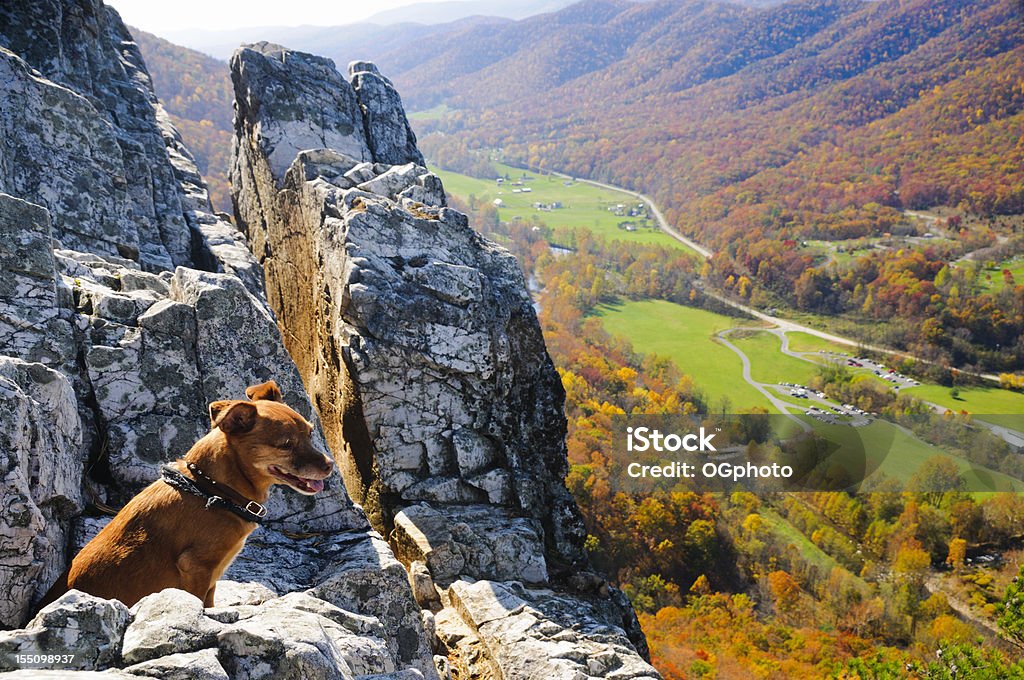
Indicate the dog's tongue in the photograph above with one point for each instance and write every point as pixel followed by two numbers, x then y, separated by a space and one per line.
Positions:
pixel 314 485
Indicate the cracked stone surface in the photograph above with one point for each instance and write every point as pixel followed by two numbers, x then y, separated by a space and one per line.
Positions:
pixel 83 135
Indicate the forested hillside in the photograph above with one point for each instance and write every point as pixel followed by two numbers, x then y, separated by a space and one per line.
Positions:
pixel 759 130
pixel 853 585
pixel 196 91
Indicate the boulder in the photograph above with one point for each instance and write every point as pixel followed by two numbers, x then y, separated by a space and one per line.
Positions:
pixel 169 622
pixel 201 665
pixel 480 541
pixel 86 628
pixel 233 593
pixel 365 577
pixel 299 636
pixel 424 590
pixel 533 633
pixel 40 472
pixel 394 180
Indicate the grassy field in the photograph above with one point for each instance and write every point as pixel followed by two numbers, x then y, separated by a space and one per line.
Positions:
pixel 991 278
pixel 805 342
pixel 435 113
pixel 584 205
pixel 814 555
pixel 768 364
pixel 978 400
pixel 841 252
pixel 684 335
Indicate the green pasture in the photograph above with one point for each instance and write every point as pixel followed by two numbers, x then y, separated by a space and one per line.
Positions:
pixel 435 113
pixel 684 335
pixel 781 528
pixel 977 400
pixel 583 205
pixel 990 279
pixel 805 342
pixel 894 451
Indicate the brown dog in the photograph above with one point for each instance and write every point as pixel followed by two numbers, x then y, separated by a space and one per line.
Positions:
pixel 171 535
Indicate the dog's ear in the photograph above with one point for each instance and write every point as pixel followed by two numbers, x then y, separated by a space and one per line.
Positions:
pixel 232 417
pixel 268 390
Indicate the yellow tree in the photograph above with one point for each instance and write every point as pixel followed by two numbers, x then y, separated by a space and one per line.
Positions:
pixel 785 591
pixel 957 553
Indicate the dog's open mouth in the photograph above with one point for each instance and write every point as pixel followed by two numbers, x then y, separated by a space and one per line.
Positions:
pixel 301 484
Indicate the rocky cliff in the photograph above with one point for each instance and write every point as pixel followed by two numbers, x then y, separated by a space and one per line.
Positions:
pixel 126 306
pixel 419 342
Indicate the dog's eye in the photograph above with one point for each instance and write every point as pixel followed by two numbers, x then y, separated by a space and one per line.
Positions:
pixel 286 444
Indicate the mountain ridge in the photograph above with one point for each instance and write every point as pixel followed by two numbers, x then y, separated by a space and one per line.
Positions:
pixel 453 10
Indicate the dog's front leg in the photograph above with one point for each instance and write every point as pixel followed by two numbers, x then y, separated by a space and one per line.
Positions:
pixel 208 600
pixel 195 577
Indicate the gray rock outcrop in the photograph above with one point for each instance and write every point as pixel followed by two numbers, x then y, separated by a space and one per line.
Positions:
pixel 169 634
pixel 417 335
pixel 419 342
pixel 81 626
pixel 388 132
pixel 126 306
pixel 317 109
pixel 83 135
pixel 41 474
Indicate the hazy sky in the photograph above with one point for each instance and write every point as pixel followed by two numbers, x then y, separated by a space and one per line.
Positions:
pixel 159 17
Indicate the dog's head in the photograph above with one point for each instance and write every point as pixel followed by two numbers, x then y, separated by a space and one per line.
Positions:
pixel 275 441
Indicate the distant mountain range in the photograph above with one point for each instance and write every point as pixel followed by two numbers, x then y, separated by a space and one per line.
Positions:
pixel 362 38
pixel 385 30
pixel 688 99
pixel 444 12
pixel 390 28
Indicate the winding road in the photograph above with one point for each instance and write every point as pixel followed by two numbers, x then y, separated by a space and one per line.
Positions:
pixel 780 405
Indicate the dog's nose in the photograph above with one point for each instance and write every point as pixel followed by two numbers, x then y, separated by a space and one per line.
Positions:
pixel 328 464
